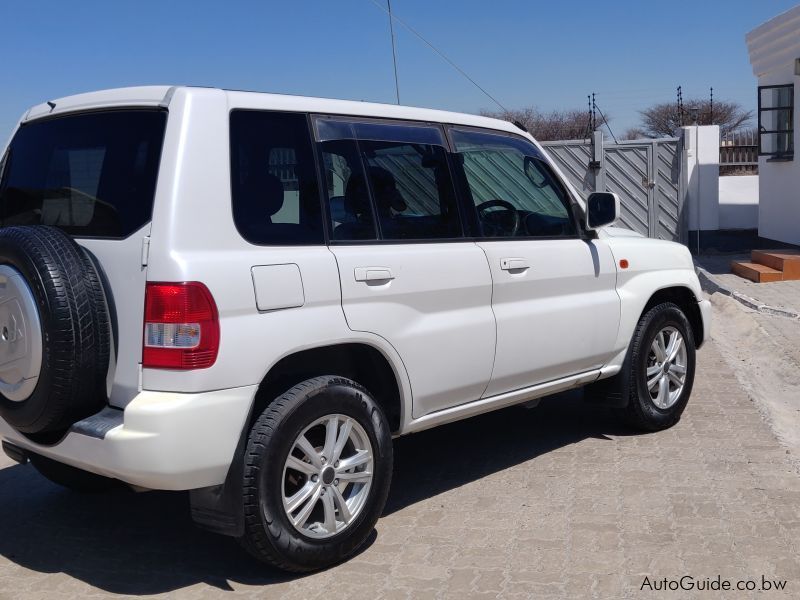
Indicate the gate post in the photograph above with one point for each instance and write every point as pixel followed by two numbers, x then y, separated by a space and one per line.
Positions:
pixel 702 176
pixel 598 162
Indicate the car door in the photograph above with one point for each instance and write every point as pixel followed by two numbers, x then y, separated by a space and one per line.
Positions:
pixel 554 291
pixel 407 272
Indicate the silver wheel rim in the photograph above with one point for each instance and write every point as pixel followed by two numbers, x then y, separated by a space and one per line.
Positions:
pixel 327 476
pixel 20 337
pixel 666 367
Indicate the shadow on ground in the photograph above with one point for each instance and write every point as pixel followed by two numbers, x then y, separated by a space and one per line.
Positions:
pixel 143 544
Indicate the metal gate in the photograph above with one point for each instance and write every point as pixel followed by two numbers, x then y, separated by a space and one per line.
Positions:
pixel 646 174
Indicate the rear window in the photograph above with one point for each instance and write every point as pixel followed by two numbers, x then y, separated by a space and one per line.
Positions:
pixel 92 174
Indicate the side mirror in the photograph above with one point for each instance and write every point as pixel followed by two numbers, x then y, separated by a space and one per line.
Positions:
pixel 602 208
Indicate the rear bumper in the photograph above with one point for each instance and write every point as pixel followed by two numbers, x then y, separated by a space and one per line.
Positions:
pixel 162 440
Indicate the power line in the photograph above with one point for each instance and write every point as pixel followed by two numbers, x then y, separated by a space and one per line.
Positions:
pixel 394 52
pixel 594 105
pixel 439 52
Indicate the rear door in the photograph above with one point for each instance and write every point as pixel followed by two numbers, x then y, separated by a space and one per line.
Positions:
pixel 94 175
pixel 407 272
pixel 554 295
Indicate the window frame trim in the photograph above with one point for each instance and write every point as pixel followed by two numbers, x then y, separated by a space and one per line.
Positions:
pixel 790 108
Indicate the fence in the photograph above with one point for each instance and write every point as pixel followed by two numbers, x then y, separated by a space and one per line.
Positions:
pixel 646 174
pixel 738 153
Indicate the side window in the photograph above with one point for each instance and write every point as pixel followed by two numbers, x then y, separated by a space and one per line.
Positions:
pixel 513 189
pixel 273 178
pixel 398 181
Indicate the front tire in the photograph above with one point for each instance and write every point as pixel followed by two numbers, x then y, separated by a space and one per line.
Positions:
pixel 317 472
pixel 661 368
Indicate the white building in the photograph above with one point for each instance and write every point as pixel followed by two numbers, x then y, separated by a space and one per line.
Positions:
pixel 775 55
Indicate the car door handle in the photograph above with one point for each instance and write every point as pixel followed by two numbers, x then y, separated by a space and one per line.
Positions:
pixel 513 264
pixel 373 274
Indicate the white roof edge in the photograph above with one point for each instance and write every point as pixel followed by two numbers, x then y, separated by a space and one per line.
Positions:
pixel 773 23
pixel 775 43
pixel 160 95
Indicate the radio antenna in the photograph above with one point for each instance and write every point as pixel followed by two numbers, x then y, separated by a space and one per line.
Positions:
pixel 394 51
pixel 394 17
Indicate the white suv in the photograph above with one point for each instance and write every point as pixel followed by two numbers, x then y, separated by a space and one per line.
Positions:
pixel 248 295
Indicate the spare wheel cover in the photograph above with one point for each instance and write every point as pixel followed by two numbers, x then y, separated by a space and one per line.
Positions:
pixel 20 336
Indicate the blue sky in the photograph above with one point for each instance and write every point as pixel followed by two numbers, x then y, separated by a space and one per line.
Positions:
pixel 524 52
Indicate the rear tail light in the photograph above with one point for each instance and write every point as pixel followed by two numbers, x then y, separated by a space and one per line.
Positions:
pixel 181 326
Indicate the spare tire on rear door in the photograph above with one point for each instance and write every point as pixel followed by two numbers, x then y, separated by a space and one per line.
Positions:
pixel 54 331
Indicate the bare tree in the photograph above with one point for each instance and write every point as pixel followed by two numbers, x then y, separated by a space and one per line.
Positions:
pixel 664 119
pixel 634 133
pixel 556 125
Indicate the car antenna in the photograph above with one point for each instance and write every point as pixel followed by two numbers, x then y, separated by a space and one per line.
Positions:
pixel 441 54
pixel 51 104
pixel 521 126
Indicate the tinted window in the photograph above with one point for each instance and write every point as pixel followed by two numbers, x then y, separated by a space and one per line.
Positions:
pixel 273 179
pixel 92 174
pixel 407 191
pixel 347 191
pixel 514 190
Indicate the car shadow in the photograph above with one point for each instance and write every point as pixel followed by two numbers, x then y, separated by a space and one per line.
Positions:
pixel 142 544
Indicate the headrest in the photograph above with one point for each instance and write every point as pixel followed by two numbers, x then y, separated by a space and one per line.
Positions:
pixel 356 198
pixel 384 188
pixel 264 190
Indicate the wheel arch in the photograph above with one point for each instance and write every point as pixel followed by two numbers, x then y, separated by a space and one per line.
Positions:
pixel 357 360
pixel 686 299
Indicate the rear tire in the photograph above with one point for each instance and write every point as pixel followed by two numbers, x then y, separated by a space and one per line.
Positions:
pixel 71 478
pixel 659 386
pixel 285 462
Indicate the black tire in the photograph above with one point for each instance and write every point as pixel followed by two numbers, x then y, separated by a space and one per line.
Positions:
pixel 269 535
pixel 641 411
pixel 71 478
pixel 75 329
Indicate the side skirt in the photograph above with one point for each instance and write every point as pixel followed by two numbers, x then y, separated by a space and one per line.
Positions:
pixel 484 405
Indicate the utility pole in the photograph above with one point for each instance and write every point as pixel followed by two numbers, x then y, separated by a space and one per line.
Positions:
pixel 712 106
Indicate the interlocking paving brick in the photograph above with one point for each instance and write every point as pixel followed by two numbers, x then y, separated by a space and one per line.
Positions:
pixel 558 501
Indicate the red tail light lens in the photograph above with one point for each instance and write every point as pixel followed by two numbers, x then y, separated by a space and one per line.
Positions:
pixel 181 326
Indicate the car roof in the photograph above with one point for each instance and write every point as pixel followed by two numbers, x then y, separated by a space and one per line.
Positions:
pixel 162 95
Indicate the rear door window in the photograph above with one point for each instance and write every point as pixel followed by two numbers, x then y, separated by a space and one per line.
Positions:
pixel 91 174
pixel 273 178
pixel 388 179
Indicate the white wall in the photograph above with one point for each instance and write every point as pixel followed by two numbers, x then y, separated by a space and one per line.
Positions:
pixel 701 166
pixel 773 48
pixel 779 182
pixel 738 202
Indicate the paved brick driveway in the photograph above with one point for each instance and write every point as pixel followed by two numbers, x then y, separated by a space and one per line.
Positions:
pixel 558 501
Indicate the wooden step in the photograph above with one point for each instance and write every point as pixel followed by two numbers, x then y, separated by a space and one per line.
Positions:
pixel 756 272
pixel 787 261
